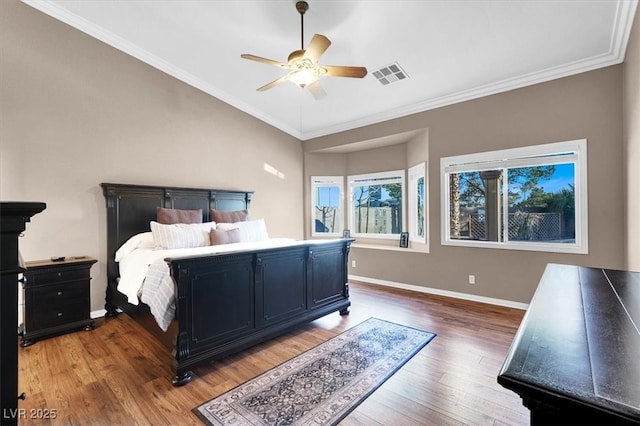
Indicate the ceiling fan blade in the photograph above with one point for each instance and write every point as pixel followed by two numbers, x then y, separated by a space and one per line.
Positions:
pixel 263 60
pixel 317 47
pixel 341 71
pixel 316 90
pixel 273 83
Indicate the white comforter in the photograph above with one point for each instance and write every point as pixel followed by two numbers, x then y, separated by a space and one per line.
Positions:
pixel 144 274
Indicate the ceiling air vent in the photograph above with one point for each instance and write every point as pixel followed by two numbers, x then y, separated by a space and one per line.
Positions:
pixel 390 74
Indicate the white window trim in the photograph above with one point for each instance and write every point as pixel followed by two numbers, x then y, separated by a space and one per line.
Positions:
pixel 371 176
pixel 416 172
pixel 325 182
pixel 520 157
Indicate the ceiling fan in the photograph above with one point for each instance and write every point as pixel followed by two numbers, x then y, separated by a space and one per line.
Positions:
pixel 302 64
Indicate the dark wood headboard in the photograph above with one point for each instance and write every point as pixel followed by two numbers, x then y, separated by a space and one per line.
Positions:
pixel 130 208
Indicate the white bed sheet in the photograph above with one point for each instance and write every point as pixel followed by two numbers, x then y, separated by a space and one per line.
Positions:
pixel 144 274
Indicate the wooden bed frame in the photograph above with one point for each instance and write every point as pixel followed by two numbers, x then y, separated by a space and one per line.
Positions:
pixel 225 302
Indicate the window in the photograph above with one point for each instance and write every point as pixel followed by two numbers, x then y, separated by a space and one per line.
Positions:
pixel 417 204
pixel 532 198
pixel 327 211
pixel 376 204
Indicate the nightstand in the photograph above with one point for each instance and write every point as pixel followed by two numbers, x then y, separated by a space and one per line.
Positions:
pixel 57 297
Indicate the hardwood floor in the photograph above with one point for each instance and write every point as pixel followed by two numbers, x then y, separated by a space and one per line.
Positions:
pixel 118 374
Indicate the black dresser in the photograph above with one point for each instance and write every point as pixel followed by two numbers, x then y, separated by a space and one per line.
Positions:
pixel 575 359
pixel 57 297
pixel 13 218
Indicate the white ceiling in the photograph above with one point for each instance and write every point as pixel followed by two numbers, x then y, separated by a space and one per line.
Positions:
pixel 451 50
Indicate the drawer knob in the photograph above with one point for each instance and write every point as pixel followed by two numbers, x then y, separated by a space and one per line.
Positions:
pixel 59 314
pixel 59 274
pixel 59 293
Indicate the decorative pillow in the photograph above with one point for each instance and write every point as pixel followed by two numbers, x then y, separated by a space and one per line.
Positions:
pixel 250 231
pixel 224 237
pixel 223 216
pixel 137 241
pixel 171 216
pixel 181 235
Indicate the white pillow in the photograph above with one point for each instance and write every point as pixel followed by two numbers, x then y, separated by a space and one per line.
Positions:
pixel 251 231
pixel 143 240
pixel 181 235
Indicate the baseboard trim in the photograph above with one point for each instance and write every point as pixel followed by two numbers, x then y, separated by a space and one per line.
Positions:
pixel 98 314
pixel 440 292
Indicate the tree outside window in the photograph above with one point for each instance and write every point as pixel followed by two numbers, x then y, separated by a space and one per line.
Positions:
pixel 326 205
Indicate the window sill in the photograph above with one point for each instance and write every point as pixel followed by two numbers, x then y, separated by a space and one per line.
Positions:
pixel 388 248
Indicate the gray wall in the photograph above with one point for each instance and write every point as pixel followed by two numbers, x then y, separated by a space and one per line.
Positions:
pixel 76 112
pixel 631 90
pixel 587 106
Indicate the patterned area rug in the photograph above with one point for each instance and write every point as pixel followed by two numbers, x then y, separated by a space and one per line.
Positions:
pixel 324 384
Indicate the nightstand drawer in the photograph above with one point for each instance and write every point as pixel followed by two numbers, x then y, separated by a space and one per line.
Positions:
pixel 58 304
pixel 54 316
pixel 55 296
pixel 57 275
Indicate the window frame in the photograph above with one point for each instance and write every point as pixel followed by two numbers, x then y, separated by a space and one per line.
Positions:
pixel 374 178
pixel 574 151
pixel 327 181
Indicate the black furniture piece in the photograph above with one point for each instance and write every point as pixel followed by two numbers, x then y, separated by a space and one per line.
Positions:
pixel 225 302
pixel 57 297
pixel 13 218
pixel 575 359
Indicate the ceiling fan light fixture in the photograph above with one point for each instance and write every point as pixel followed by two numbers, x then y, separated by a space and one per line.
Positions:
pixel 304 77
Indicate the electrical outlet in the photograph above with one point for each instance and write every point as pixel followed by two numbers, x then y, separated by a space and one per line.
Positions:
pixel 353 263
pixel 472 279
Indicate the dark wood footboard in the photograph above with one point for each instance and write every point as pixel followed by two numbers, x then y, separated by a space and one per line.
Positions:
pixel 229 302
